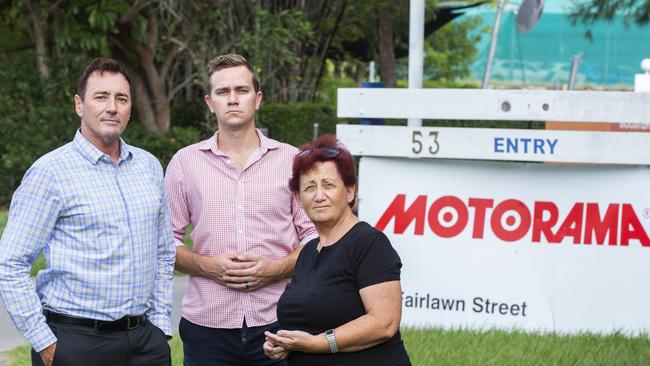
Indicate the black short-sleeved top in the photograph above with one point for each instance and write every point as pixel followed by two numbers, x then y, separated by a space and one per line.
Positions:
pixel 324 294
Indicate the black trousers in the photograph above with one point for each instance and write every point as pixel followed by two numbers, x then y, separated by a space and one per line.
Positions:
pixel 79 345
pixel 203 346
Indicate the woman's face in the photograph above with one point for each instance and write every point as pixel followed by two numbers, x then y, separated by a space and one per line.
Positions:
pixel 323 194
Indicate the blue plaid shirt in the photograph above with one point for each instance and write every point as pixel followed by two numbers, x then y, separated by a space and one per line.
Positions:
pixel 105 232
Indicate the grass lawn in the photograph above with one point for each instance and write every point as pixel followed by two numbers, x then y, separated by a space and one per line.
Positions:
pixel 3 220
pixel 40 261
pixel 459 347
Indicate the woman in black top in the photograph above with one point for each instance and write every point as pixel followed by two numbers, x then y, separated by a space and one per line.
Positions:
pixel 344 302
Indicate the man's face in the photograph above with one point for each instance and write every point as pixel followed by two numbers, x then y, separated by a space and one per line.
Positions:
pixel 105 109
pixel 232 98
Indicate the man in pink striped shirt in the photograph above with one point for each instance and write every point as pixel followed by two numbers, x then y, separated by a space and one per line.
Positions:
pixel 248 228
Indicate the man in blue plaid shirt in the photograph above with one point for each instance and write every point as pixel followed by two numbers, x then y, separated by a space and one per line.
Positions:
pixel 96 207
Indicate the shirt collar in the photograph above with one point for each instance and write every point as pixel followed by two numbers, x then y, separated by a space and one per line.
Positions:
pixel 92 153
pixel 266 143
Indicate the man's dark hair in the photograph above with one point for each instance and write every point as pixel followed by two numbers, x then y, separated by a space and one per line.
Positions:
pixel 102 65
pixel 231 60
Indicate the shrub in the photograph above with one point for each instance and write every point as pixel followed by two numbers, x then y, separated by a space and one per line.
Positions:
pixel 292 123
pixel 163 147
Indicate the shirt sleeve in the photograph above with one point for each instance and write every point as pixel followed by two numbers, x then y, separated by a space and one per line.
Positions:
pixel 176 194
pixel 160 309
pixel 34 211
pixel 377 261
pixel 304 227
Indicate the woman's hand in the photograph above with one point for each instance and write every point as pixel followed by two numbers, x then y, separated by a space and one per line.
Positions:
pixel 274 351
pixel 296 340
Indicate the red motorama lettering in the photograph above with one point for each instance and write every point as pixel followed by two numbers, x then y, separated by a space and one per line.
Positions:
pixel 511 220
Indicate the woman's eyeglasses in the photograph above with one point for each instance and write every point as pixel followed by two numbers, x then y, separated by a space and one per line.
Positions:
pixel 328 152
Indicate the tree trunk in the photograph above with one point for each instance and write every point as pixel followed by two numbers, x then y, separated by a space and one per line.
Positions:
pixel 36 22
pixel 154 111
pixel 149 81
pixel 386 46
pixel 360 72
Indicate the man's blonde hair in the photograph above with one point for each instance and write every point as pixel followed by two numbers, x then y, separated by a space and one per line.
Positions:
pixel 231 60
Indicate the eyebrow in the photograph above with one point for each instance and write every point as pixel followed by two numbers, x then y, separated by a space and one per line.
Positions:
pixel 108 93
pixel 235 88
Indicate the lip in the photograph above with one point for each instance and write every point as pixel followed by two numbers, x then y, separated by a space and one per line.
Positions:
pixel 233 111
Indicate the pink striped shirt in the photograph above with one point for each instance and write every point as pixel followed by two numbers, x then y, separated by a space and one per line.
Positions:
pixel 249 211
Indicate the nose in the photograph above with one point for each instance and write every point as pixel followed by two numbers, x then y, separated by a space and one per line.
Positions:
pixel 320 194
pixel 232 98
pixel 110 106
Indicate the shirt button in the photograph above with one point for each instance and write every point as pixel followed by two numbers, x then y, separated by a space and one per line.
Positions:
pixel 241 231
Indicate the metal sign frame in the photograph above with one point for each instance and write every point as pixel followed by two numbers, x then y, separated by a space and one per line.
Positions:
pixel 496 144
pixel 506 105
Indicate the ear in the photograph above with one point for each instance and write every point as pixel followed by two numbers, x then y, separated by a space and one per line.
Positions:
pixel 78 106
pixel 208 101
pixel 258 100
pixel 351 191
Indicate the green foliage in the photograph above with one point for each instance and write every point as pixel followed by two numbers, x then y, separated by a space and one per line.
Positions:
pixel 329 88
pixel 591 11
pixel 19 152
pixel 86 26
pixel 20 356
pixel 493 347
pixel 275 36
pixel 163 147
pixel 38 265
pixel 40 261
pixel 176 346
pixel 450 51
pixel 38 117
pixel 292 44
pixel 3 220
pixel 292 123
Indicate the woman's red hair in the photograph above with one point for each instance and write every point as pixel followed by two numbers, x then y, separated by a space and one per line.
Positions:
pixel 343 161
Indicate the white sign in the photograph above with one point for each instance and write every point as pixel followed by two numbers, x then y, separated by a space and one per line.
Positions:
pixel 510 245
pixel 490 104
pixel 497 144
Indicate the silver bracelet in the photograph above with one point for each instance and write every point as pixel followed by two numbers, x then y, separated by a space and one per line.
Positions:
pixel 331 340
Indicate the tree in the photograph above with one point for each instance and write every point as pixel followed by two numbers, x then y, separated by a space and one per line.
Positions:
pixel 450 51
pixel 590 11
pixel 379 30
pixel 147 36
pixel 386 45
pixel 36 27
pixel 166 44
